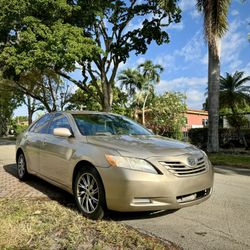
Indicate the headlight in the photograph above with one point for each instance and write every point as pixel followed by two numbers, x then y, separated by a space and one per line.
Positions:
pixel 130 163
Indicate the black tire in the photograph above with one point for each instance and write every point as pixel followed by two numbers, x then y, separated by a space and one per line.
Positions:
pixel 89 193
pixel 22 172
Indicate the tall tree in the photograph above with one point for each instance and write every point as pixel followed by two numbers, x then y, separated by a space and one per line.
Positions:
pixel 215 25
pixel 151 74
pixel 65 34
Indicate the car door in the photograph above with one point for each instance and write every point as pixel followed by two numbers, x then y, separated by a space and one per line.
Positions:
pixel 33 142
pixel 56 152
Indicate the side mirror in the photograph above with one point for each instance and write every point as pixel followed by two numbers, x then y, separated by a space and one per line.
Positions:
pixel 64 132
pixel 150 130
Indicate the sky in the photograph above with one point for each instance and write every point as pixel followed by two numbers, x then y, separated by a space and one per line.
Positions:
pixel 185 58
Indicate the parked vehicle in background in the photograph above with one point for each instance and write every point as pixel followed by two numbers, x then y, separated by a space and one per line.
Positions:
pixel 108 161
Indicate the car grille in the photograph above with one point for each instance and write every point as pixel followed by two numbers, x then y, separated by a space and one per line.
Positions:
pixel 181 169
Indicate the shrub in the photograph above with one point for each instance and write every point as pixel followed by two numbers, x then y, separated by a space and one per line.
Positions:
pixel 228 137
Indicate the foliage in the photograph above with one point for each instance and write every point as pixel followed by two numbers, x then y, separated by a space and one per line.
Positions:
pixel 19 128
pixel 140 84
pixel 82 100
pixel 9 101
pixel 168 114
pixel 227 137
pixel 44 90
pixel 234 94
pixel 237 121
pixel 61 35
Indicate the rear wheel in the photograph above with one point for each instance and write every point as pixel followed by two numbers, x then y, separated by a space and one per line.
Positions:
pixel 89 193
pixel 21 167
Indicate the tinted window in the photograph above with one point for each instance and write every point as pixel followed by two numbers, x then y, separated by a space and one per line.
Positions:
pixel 41 126
pixel 106 124
pixel 59 122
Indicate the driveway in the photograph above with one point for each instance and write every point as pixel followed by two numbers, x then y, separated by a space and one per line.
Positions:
pixel 11 187
pixel 222 222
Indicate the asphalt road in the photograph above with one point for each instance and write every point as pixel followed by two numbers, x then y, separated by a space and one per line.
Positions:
pixel 222 222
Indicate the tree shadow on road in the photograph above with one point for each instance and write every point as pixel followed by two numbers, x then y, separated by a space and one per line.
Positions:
pixel 226 170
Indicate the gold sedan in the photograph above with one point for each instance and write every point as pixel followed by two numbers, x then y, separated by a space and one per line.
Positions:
pixel 108 161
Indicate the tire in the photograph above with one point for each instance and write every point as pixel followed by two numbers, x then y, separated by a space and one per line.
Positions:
pixel 89 193
pixel 22 172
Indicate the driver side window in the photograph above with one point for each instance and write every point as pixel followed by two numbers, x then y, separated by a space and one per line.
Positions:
pixel 59 122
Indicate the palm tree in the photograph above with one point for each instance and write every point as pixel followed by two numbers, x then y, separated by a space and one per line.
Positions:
pixel 151 73
pixel 233 93
pixel 132 80
pixel 215 26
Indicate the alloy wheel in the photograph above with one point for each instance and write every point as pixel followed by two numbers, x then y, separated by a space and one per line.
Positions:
pixel 88 193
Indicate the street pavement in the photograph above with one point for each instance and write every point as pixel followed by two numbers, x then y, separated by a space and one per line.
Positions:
pixel 222 222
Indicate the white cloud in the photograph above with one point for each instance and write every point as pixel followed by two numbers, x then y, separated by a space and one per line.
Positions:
pixel 234 12
pixel 186 4
pixel 193 49
pixel 140 60
pixel 195 99
pixel 176 26
pixel 204 59
pixel 167 62
pixel 232 44
pixel 181 83
pixel 193 87
pixel 195 14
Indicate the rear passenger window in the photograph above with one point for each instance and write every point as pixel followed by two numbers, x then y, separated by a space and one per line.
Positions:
pixel 41 126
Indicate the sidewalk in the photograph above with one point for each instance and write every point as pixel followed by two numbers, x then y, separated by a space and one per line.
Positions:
pixel 11 187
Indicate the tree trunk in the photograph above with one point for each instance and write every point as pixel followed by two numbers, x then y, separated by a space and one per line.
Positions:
pixel 213 97
pixel 107 96
pixel 30 113
pixel 143 109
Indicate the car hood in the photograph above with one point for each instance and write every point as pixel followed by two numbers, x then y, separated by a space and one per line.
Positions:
pixel 142 146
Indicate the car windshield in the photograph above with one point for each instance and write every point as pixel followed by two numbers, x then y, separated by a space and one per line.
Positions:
pixel 108 124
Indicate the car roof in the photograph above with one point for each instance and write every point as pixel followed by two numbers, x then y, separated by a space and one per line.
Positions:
pixel 79 112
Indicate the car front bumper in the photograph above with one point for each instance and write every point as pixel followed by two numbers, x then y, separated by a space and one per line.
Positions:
pixel 129 190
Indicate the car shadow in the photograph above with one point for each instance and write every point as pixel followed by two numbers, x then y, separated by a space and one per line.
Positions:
pixel 227 170
pixel 125 216
pixel 52 192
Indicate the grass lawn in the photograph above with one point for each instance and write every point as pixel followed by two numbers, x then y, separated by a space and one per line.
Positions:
pixel 230 160
pixel 31 224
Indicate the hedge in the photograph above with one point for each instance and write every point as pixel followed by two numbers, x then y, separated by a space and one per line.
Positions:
pixel 228 138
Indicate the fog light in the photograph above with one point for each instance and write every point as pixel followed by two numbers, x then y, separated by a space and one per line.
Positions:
pixel 186 198
pixel 141 201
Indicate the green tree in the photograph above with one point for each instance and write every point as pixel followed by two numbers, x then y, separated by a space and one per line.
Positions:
pixel 140 83
pixel 151 74
pixel 9 101
pixel 65 34
pixel 167 114
pixel 46 87
pixel 215 25
pixel 235 96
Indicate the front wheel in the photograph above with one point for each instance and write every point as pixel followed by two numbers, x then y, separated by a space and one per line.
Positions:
pixel 89 193
pixel 22 172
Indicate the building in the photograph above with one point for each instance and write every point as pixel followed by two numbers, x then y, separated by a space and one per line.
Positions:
pixel 196 119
